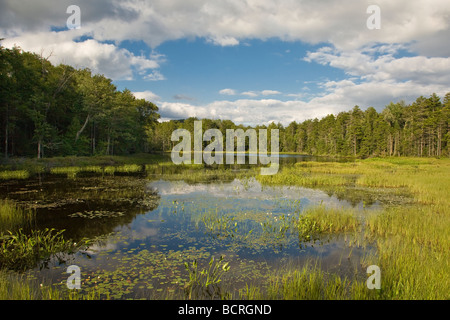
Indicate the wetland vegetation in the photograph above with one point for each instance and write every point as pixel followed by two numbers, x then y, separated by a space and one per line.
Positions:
pixel 154 230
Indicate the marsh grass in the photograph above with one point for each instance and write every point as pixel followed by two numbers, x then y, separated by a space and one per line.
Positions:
pixel 20 250
pixel 15 286
pixel 218 225
pixel 13 217
pixel 198 175
pixel 412 242
pixel 18 174
pixel 308 282
pixel 331 220
pixel 79 161
pixel 72 172
pixel 293 176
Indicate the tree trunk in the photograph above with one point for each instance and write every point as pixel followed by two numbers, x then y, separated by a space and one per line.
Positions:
pixel 107 146
pixel 6 140
pixel 82 128
pixel 390 145
pixel 39 149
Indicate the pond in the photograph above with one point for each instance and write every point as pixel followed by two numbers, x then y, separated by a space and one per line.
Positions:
pixel 145 229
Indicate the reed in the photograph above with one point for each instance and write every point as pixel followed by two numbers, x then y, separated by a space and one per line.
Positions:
pixel 15 286
pixel 20 251
pixel 13 217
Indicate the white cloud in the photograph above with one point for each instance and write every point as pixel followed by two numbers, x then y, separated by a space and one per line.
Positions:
pixel 228 22
pixel 104 58
pixel 247 111
pixel 147 95
pixel 224 41
pixel 339 96
pixel 250 93
pixel 228 92
pixel 372 63
pixel 270 92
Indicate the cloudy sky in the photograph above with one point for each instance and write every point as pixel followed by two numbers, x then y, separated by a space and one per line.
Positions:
pixel 251 61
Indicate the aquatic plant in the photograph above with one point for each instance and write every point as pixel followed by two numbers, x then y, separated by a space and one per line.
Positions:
pixel 219 225
pixel 21 251
pixel 204 283
pixel 12 216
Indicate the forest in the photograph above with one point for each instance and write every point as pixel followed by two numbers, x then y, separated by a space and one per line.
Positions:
pixel 49 111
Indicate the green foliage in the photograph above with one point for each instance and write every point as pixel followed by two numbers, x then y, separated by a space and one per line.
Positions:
pixel 205 283
pixel 51 110
pixel 12 216
pixel 20 251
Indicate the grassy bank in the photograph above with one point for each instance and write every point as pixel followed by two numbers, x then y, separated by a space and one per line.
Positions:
pixel 25 166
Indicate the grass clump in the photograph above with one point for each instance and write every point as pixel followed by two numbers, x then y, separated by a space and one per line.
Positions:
pixel 12 216
pixel 205 283
pixel 292 175
pixel 14 175
pixel 329 220
pixel 20 251
pixel 308 282
pixel 15 286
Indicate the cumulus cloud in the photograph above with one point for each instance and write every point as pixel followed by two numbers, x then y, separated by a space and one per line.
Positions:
pixel 372 63
pixel 147 95
pixel 250 93
pixel 232 92
pixel 249 112
pixel 104 58
pixel 228 92
pixel 341 23
pixel 270 92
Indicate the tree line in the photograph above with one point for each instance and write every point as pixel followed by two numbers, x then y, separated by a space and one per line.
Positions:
pixel 418 129
pixel 49 110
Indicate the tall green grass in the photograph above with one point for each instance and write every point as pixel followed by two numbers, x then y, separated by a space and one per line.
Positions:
pixel 14 286
pixel 72 172
pixel 21 251
pixel 309 282
pixel 13 217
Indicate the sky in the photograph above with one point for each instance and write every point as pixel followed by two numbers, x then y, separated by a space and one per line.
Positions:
pixel 249 61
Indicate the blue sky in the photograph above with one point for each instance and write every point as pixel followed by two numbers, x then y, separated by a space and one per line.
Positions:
pixel 195 70
pixel 249 61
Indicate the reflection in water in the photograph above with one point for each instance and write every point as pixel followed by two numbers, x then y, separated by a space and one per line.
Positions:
pixel 252 189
